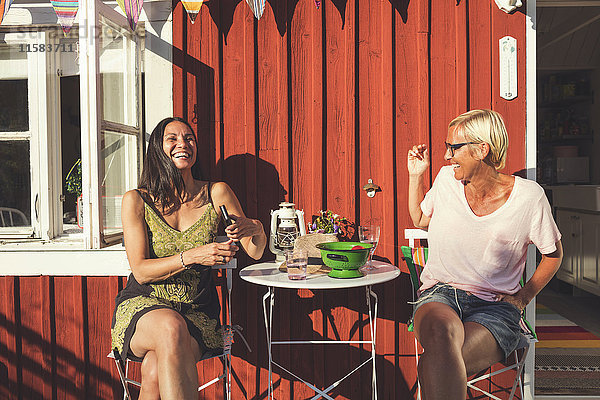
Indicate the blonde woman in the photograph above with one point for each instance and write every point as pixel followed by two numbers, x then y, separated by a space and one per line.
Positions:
pixel 480 223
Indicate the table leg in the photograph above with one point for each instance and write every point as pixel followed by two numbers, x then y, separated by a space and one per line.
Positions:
pixel 373 327
pixel 270 295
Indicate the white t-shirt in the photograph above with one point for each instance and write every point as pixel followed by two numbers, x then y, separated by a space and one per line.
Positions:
pixel 484 255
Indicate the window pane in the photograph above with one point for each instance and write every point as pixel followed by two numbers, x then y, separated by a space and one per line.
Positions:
pixel 15 184
pixel 120 168
pixel 14 113
pixel 13 57
pixel 118 75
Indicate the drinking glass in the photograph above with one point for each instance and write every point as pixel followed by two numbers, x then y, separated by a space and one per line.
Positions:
pixel 296 261
pixel 369 234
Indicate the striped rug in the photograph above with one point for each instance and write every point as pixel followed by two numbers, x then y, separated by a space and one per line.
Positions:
pixel 567 357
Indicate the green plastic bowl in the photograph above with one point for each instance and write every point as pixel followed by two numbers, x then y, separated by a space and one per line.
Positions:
pixel 343 261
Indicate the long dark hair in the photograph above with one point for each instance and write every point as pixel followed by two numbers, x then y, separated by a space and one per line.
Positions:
pixel 160 177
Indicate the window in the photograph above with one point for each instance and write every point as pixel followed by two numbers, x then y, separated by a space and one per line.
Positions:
pixel 19 194
pixel 79 107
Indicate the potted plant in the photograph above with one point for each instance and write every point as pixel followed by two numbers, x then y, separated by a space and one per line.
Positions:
pixel 328 222
pixel 73 185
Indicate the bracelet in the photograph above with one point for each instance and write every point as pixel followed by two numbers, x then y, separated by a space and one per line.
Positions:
pixel 182 263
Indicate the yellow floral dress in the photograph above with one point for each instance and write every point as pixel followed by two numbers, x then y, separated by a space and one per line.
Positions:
pixel 192 292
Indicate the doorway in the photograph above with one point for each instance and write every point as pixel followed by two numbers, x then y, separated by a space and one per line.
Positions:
pixel 568 145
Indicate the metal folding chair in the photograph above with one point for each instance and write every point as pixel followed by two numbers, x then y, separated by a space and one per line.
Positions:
pixel 228 332
pixel 415 258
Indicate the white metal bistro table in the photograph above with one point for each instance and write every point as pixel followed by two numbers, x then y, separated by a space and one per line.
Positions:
pixel 268 274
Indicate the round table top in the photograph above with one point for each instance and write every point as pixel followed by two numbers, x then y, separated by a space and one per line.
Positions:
pixel 268 274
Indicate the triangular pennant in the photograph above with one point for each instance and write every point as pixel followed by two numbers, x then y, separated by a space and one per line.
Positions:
pixel 132 10
pixel 4 6
pixel 192 7
pixel 318 3
pixel 65 10
pixel 257 7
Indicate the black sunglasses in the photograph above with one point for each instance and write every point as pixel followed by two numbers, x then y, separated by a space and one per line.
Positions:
pixel 456 146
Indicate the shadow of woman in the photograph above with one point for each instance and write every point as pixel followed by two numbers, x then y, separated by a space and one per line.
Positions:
pixel 309 315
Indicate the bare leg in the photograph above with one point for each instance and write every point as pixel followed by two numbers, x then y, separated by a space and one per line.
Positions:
pixel 441 368
pixel 480 349
pixel 149 369
pixel 165 333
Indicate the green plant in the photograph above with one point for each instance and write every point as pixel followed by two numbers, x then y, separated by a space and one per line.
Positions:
pixel 73 179
pixel 328 222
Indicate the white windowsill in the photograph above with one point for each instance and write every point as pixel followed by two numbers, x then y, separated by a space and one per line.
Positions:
pixel 61 257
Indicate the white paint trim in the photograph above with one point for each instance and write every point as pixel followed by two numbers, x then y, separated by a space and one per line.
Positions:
pixel 414 234
pixel 106 262
pixel 530 165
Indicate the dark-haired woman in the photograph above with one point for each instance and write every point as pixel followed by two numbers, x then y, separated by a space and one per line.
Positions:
pixel 168 315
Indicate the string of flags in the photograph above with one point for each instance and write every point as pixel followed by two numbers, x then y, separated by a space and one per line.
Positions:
pixel 4 6
pixel 66 10
pixel 132 10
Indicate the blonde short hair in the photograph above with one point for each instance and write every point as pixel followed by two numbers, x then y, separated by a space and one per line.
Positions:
pixel 485 126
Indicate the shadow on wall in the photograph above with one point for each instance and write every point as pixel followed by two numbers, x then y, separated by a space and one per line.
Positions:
pixel 305 314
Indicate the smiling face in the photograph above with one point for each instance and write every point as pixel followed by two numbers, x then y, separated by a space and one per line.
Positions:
pixel 464 161
pixel 179 144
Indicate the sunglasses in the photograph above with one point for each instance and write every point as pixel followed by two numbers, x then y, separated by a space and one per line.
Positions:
pixel 456 146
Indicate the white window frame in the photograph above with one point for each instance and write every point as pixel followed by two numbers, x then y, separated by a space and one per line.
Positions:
pixel 43 126
pixel 91 118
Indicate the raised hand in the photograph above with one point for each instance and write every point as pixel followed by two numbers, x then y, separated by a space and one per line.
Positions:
pixel 418 159
pixel 243 227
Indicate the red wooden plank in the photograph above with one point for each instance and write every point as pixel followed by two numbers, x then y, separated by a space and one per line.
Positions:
pixel 32 339
pixel 101 294
pixel 376 145
pixel 480 56
pixel 47 324
pixel 9 331
pixel 306 68
pixel 70 354
pixel 237 152
pixel 461 26
pixel 180 91
pixel 513 111
pixel 340 184
pixel 443 79
pixel 412 126
pixel 306 108
pixel 272 170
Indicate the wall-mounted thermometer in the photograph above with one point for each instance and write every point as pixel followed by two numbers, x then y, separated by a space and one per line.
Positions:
pixel 508 67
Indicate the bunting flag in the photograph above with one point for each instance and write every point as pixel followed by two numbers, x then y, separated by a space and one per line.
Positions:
pixel 257 7
pixel 192 7
pixel 132 10
pixel 4 6
pixel 65 10
pixel 318 3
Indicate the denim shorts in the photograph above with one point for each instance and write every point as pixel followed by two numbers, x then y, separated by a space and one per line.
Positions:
pixel 499 317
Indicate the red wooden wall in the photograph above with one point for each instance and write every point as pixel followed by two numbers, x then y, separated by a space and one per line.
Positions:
pixel 304 105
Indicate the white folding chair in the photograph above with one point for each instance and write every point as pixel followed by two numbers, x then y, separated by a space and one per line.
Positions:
pixel 228 332
pixel 414 258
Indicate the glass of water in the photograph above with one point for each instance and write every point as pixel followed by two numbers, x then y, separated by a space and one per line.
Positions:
pixel 369 234
pixel 296 261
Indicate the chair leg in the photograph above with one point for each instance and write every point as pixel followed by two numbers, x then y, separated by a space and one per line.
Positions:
pixel 123 377
pixel 417 368
pixel 520 365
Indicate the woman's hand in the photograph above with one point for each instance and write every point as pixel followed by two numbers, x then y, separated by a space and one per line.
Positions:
pixel 515 300
pixel 418 160
pixel 211 254
pixel 243 227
